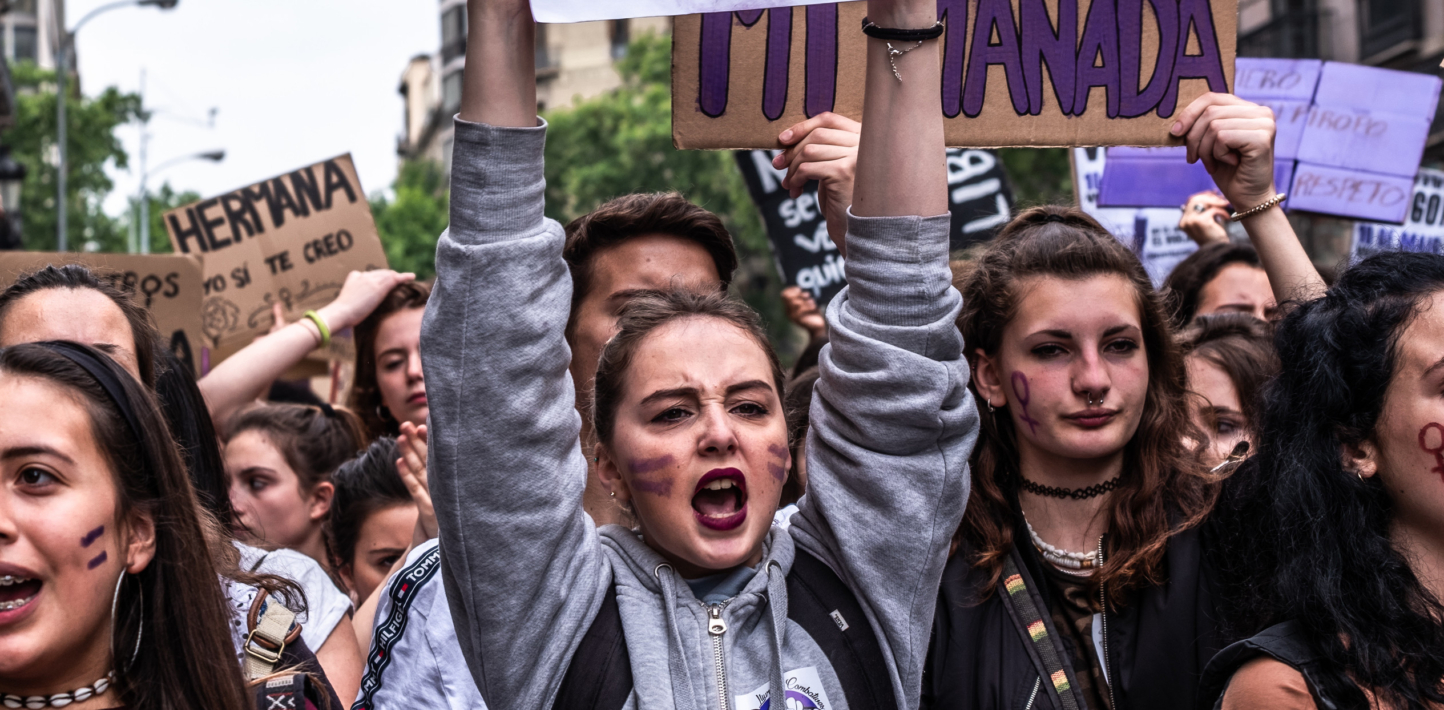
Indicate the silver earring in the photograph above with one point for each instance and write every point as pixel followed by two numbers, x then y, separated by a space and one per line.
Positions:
pixel 990 406
pixel 115 620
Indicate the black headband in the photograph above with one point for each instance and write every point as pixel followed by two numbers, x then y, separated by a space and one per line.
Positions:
pixel 104 373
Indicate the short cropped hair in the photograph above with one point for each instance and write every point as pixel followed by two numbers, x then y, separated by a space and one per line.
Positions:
pixel 630 216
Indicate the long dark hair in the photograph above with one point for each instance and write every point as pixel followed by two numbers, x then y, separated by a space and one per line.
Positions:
pixel 186 657
pixel 365 397
pixel 1242 346
pixel 190 422
pixel 1312 540
pixel 77 277
pixel 1163 489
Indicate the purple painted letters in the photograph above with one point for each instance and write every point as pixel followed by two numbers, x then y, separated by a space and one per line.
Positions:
pixel 994 15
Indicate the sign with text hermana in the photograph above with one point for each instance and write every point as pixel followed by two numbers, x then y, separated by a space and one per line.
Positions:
pixel 1014 72
pixel 291 239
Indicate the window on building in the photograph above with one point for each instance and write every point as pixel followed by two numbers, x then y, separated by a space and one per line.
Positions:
pixel 621 35
pixel 23 6
pixel 453 33
pixel 451 93
pixel 1385 24
pixel 25 44
pixel 545 59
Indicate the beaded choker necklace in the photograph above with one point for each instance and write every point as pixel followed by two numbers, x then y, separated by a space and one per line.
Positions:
pixel 59 700
pixel 1074 493
pixel 1079 563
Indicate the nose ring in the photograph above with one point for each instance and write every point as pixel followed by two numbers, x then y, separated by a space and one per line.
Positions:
pixel 1090 398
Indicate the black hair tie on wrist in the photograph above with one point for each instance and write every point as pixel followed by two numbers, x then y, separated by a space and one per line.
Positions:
pixel 901 35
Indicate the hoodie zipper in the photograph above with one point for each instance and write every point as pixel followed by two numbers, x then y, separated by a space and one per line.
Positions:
pixel 716 627
pixel 1034 696
pixel 1103 616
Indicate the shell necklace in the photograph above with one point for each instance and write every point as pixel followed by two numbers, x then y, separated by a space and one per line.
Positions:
pixel 58 700
pixel 1080 563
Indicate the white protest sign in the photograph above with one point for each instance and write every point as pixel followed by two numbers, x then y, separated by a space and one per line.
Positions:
pixel 1422 230
pixel 589 10
pixel 1151 232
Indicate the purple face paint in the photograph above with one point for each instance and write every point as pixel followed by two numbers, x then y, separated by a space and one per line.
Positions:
pixel 98 561
pixel 642 467
pixel 1021 393
pixel 777 468
pixel 92 536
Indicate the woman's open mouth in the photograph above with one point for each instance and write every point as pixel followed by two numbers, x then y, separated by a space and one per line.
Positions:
pixel 16 591
pixel 720 501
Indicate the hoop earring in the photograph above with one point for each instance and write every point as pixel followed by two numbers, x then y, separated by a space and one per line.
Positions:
pixel 115 620
pixel 990 406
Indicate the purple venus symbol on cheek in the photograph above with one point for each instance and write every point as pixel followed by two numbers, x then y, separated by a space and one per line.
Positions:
pixel 1021 393
pixel 778 467
pixel 1435 447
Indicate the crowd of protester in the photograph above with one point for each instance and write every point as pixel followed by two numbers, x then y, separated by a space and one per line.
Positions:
pixel 573 473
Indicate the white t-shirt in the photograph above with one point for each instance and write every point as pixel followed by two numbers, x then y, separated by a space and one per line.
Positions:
pixel 415 660
pixel 326 605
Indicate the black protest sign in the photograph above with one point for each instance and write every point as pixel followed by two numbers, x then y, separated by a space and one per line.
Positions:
pixel 978 197
pixel 291 239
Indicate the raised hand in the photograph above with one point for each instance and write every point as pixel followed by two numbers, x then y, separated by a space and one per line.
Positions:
pixel 361 294
pixel 803 311
pixel 1235 140
pixel 1203 218
pixel 412 469
pixel 823 148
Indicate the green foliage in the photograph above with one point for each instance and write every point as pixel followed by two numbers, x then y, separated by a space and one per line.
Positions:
pixel 1039 176
pixel 161 201
pixel 621 142
pixel 411 223
pixel 92 144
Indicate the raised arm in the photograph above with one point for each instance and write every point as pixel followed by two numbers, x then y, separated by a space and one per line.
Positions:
pixel 1235 140
pixel 243 378
pixel 892 421
pixel 520 561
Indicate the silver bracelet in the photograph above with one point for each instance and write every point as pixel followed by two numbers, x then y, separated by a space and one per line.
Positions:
pixel 1267 205
pixel 893 53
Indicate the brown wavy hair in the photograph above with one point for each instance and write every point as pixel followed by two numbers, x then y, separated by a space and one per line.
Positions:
pixel 1164 488
pixel 365 397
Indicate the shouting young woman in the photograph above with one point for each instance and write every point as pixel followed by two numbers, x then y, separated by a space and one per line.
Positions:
pixel 702 602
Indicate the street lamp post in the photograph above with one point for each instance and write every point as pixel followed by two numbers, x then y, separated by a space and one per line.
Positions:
pixel 62 75
pixel 214 156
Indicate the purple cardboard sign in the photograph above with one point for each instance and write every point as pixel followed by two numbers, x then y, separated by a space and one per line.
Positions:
pixel 1378 90
pixel 1258 79
pixel 1290 117
pixel 1350 193
pixel 1150 177
pixel 1374 141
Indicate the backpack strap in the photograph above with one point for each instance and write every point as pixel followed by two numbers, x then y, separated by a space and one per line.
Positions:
pixel 270 627
pixel 1285 643
pixel 600 674
pixel 819 602
pixel 1020 600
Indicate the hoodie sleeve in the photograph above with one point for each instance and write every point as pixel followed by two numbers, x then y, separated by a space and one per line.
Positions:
pixel 520 560
pixel 892 426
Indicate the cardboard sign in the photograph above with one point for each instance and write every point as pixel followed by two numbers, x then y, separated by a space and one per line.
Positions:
pixel 1151 177
pixel 591 10
pixel 1287 87
pixel 1151 232
pixel 290 239
pixel 1423 230
pixel 978 198
pixel 1014 72
pixel 167 285
pixel 1370 119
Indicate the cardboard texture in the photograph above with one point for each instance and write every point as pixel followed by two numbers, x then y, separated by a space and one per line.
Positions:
pixel 1116 73
pixel 979 199
pixel 290 239
pixel 1151 177
pixel 1347 192
pixel 1423 228
pixel 166 285
pixel 1151 232
pixel 591 10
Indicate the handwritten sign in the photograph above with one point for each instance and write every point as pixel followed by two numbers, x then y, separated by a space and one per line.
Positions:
pixel 166 285
pixel 1151 232
pixel 1422 230
pixel 291 239
pixel 978 197
pixel 1014 72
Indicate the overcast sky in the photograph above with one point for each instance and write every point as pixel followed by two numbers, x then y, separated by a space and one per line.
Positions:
pixel 295 81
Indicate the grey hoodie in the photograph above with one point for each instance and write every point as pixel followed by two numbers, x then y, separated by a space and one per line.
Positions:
pixel 525 571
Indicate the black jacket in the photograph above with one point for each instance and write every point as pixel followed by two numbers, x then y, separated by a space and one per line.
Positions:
pixel 1157 645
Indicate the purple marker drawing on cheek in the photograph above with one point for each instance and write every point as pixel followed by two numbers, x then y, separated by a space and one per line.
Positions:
pixel 778 468
pixel 92 536
pixel 98 561
pixel 641 467
pixel 1021 393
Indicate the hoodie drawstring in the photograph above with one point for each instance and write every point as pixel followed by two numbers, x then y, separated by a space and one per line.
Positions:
pixel 682 692
pixel 777 606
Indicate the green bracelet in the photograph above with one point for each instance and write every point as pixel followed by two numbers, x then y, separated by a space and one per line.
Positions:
pixel 320 325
